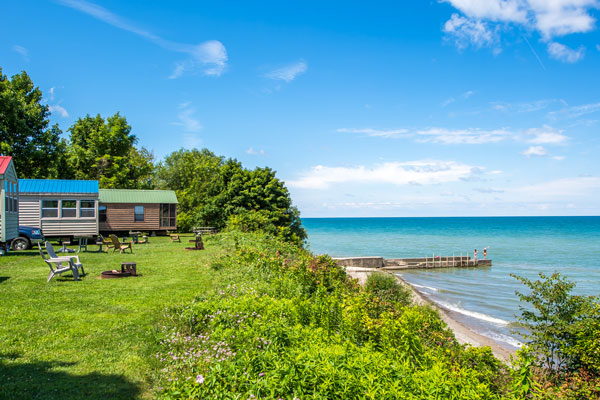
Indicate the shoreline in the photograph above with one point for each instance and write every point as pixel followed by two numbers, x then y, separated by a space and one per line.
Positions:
pixel 462 333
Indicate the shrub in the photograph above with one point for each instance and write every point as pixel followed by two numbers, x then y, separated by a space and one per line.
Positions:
pixel 387 288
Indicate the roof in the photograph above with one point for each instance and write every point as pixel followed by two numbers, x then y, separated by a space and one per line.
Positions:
pixel 4 163
pixel 137 196
pixel 57 186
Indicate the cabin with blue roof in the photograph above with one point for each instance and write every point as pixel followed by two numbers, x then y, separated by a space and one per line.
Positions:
pixel 60 208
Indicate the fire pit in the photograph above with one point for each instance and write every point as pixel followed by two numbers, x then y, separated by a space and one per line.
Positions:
pixel 127 269
pixel 114 274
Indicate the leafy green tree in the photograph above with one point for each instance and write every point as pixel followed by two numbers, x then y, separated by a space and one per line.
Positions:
pixel 105 150
pixel 38 149
pixel 213 191
pixel 561 327
pixel 194 175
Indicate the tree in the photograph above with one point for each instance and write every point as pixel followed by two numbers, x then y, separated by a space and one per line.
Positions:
pixel 38 149
pixel 561 328
pixel 105 150
pixel 214 192
pixel 194 175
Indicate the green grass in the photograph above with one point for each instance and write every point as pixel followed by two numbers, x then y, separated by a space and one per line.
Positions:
pixel 93 338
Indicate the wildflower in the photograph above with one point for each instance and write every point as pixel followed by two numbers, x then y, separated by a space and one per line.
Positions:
pixel 200 379
pixel 261 374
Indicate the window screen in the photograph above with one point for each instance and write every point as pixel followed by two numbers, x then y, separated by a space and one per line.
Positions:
pixel 87 208
pixel 68 209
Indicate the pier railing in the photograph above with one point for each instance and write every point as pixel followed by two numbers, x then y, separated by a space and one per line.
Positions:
pixel 413 263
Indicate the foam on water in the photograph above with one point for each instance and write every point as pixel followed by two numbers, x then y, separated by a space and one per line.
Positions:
pixel 424 287
pixel 472 314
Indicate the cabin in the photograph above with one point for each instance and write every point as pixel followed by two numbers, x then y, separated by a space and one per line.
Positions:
pixel 124 210
pixel 60 208
pixel 9 201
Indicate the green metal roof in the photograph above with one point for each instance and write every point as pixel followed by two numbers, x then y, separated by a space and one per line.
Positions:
pixel 137 196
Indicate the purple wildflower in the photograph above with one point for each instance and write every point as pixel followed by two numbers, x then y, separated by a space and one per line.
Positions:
pixel 200 379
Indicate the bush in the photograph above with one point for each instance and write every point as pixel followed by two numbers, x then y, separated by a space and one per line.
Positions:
pixel 295 326
pixel 387 288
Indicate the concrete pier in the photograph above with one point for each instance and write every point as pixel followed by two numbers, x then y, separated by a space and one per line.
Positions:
pixel 412 263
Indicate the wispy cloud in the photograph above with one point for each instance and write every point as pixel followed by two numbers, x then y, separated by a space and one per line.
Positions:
pixel 563 53
pixel 546 135
pixel 58 109
pixel 187 120
pixel 559 188
pixel 535 151
pixel 465 31
pixel 463 96
pixel 576 111
pixel 289 72
pixel 51 91
pixel 386 133
pixel 423 172
pixel 22 51
pixel 526 107
pixel 253 152
pixel 210 57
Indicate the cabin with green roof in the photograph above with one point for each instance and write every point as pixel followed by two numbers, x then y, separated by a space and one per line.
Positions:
pixel 9 200
pixel 124 210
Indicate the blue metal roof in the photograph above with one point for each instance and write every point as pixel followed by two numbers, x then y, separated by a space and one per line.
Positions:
pixel 57 186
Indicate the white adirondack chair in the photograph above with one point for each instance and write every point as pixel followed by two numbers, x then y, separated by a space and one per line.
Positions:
pixel 72 259
pixel 61 264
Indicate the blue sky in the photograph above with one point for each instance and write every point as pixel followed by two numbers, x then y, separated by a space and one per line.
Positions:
pixel 437 108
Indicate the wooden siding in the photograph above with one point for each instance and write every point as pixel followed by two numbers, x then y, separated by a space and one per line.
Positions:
pixel 120 217
pixel 30 211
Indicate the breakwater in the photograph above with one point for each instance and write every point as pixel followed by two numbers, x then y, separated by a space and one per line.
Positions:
pixel 412 263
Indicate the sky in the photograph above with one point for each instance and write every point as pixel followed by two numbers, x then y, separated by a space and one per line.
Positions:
pixel 391 108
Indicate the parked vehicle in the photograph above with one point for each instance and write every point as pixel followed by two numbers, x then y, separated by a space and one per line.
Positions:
pixel 27 236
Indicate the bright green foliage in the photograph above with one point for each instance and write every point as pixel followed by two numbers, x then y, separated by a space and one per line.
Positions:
pixel 217 192
pixel 194 175
pixel 386 287
pixel 105 150
pixel 561 328
pixel 295 326
pixel 24 130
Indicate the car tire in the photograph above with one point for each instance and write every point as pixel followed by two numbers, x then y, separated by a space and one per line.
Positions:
pixel 20 243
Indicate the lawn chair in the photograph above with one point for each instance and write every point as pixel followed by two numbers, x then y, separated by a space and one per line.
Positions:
pixel 59 267
pixel 101 241
pixel 119 245
pixel 74 260
pixel 174 237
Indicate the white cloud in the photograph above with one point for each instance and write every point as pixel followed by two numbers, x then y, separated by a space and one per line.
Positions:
pixel 22 51
pixel 58 109
pixel 422 172
pixel 562 17
pixel 535 151
pixel 51 91
pixel 289 72
pixel 550 18
pixel 465 31
pixel 389 133
pixel 495 10
pixel 462 136
pixel 558 158
pixel 546 135
pixel 209 57
pixel 187 120
pixel 563 53
pixel 254 152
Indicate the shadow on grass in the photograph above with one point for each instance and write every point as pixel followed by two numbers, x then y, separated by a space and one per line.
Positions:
pixel 4 278
pixel 47 380
pixel 24 253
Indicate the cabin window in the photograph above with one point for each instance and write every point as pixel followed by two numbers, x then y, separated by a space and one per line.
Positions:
pixel 15 200
pixel 168 215
pixel 49 208
pixel 102 213
pixel 68 209
pixel 138 214
pixel 87 208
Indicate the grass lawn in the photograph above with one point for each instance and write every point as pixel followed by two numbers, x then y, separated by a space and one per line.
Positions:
pixel 93 338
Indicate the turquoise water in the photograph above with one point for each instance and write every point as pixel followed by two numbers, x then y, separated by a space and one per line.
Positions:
pixel 482 298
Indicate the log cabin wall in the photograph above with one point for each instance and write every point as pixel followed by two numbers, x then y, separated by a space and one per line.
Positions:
pixel 120 217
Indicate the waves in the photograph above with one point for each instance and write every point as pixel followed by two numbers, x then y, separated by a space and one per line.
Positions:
pixel 473 314
pixel 424 287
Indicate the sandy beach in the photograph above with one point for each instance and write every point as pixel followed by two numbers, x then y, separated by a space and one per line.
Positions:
pixel 463 334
